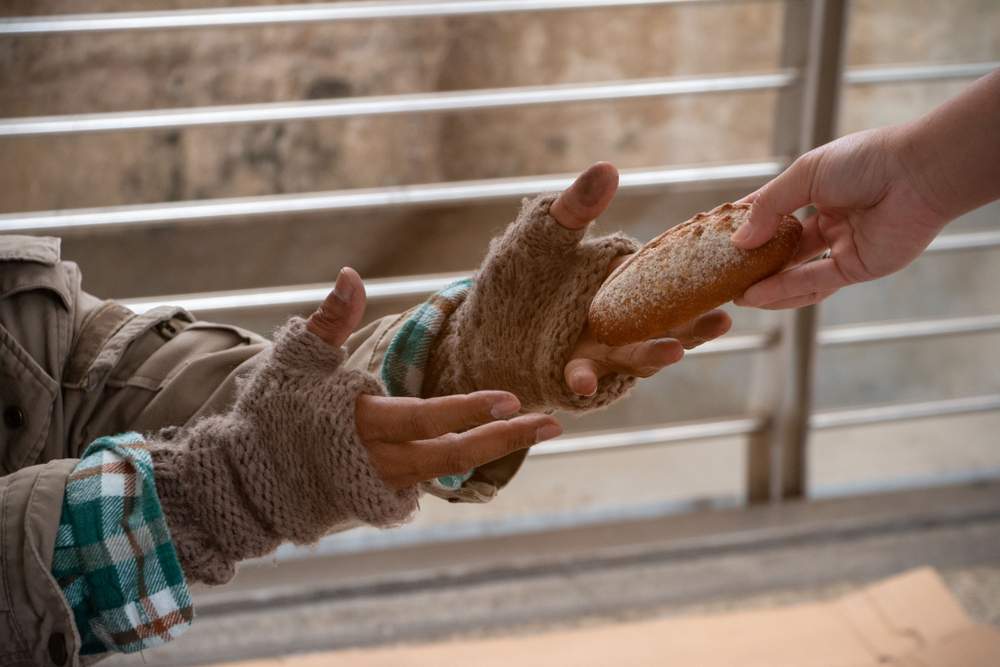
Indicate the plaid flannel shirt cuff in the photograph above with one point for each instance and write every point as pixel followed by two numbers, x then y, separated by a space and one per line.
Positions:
pixel 114 558
pixel 406 359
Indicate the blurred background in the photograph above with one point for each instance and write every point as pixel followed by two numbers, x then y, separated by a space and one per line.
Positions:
pixel 728 109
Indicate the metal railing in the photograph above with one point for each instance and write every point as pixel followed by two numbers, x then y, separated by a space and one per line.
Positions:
pixel 808 85
pixel 459 192
pixel 352 107
pixel 307 13
pixel 465 100
pixel 381 289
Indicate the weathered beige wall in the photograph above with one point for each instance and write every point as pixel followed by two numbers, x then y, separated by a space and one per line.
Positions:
pixel 117 71
pixel 120 71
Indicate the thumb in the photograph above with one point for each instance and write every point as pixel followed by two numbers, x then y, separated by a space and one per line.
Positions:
pixel 786 193
pixel 341 312
pixel 587 197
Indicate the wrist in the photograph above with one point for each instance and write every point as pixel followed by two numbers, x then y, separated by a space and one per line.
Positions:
pixel 920 173
pixel 950 152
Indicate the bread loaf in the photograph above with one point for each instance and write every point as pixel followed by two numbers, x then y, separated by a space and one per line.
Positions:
pixel 685 272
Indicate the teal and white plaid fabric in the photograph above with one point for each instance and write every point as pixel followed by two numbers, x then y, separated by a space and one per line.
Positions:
pixel 114 559
pixel 405 361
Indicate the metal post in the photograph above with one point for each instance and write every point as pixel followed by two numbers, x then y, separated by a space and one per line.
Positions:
pixel 776 464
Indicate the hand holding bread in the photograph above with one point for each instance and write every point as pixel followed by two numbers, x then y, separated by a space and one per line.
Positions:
pixel 879 196
pixel 591 359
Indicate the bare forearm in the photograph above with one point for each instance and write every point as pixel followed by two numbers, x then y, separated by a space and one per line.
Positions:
pixel 953 152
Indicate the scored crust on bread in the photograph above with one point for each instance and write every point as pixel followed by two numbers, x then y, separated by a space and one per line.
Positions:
pixel 684 272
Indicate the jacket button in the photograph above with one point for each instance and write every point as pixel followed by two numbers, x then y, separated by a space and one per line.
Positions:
pixel 13 417
pixel 57 648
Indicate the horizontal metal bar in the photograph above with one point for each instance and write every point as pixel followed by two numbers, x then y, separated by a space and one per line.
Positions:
pixel 339 200
pixel 881 332
pixel 458 100
pixel 905 411
pixel 392 104
pixel 376 289
pixel 300 13
pixel 659 435
pixel 379 289
pixel 965 241
pixel 751 342
pixel 914 73
pixel 674 433
pixel 421 285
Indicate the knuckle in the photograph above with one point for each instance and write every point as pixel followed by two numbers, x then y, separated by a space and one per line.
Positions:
pixel 636 353
pixel 816 281
pixel 520 436
pixel 457 462
pixel 420 423
pixel 469 410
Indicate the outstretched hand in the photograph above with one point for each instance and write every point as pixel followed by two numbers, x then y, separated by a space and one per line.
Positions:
pixel 577 207
pixel 881 196
pixel 411 440
pixel 869 216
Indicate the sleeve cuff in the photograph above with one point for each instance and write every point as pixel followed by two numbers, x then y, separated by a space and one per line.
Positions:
pixel 114 559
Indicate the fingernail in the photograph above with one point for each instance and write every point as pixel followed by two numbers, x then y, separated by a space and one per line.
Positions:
pixel 547 432
pixel 741 234
pixel 342 289
pixel 505 407
pixel 590 191
pixel 649 370
pixel 577 379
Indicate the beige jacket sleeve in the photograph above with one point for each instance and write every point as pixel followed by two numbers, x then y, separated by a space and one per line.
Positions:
pixel 73 368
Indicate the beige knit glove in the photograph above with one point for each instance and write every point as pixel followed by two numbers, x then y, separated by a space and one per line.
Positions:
pixel 517 328
pixel 284 464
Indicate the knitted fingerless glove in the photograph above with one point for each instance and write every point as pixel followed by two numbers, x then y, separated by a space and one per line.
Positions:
pixel 284 464
pixel 517 328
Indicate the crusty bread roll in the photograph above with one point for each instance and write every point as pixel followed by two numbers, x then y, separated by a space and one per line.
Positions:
pixel 685 272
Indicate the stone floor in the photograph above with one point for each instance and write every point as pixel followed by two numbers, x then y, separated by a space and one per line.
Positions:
pixel 697 563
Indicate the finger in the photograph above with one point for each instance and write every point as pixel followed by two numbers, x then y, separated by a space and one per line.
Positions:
pixel 645 358
pixel 582 374
pixel 799 301
pixel 819 276
pixel 587 197
pixel 341 311
pixel 454 454
pixel 702 329
pixel 785 194
pixel 397 419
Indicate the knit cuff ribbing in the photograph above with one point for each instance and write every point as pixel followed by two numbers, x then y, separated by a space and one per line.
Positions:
pixel 199 554
pixel 342 459
pixel 285 464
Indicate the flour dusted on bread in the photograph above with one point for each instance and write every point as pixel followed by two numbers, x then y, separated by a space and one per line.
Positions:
pixel 685 272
